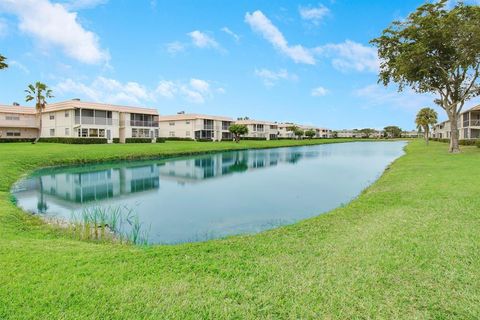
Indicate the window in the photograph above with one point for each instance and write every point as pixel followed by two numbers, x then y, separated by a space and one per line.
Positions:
pixel 12 117
pixel 187 133
pixel 171 123
pixel 101 133
pixel 67 131
pixel 52 116
pixel 93 133
pixel 134 133
pixel 84 133
pixel 67 114
pixel 171 133
pixel 52 132
pixel 156 133
pixel 13 133
pixel 187 122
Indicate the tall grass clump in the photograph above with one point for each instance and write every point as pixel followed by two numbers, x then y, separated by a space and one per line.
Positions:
pixel 117 224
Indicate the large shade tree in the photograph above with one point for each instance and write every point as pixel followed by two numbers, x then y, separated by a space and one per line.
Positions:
pixel 39 92
pixel 426 118
pixel 435 50
pixel 3 64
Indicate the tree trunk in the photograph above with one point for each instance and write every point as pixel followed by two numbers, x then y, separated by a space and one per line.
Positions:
pixel 39 128
pixel 426 135
pixel 454 146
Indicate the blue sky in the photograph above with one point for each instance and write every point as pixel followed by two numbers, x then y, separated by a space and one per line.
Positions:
pixel 302 61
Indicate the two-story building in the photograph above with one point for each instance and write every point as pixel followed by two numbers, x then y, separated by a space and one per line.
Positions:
pixel 196 127
pixel 468 124
pixel 260 129
pixel 75 118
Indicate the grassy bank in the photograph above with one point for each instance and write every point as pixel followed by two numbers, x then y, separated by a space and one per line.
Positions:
pixel 408 247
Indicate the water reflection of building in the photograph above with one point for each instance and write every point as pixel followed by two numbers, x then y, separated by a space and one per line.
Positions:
pixel 217 165
pixel 80 186
pixel 89 184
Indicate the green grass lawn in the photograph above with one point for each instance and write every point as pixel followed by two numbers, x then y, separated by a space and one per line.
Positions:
pixel 408 247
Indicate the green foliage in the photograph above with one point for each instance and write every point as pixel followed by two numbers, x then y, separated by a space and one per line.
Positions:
pixel 138 140
pixel 435 50
pixel 238 130
pixel 367 132
pixel 39 92
pixel 310 133
pixel 426 118
pixel 3 64
pixel 392 132
pixel 178 139
pixel 298 132
pixel 160 140
pixel 477 143
pixel 74 140
pixel 255 138
pixel 11 140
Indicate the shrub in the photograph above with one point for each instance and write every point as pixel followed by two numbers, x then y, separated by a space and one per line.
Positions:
pixel 116 140
pixel 478 143
pixel 254 138
pixel 160 140
pixel 74 140
pixel 204 140
pixel 177 139
pixel 9 140
pixel 138 140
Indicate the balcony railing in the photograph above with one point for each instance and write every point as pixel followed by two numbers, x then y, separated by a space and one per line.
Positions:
pixel 472 123
pixel 96 121
pixel 139 123
pixel 208 127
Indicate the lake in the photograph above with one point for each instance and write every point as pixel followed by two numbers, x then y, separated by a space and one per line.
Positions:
pixel 196 198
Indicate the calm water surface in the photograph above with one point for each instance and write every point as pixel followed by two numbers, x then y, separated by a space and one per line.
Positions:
pixel 210 196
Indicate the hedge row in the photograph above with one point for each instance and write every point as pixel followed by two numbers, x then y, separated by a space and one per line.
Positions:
pixel 138 140
pixel 75 140
pixel 469 142
pixel 177 139
pixel 9 140
pixel 253 138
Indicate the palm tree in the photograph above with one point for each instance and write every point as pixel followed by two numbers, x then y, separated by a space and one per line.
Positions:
pixel 3 64
pixel 426 117
pixel 40 93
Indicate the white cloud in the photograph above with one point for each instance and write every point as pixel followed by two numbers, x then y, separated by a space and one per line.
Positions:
pixel 315 14
pixel 235 36
pixel 270 78
pixel 202 40
pixel 200 85
pixel 175 47
pixel 351 55
pixel 378 95
pixel 83 4
pixel 109 90
pixel 52 24
pixel 261 24
pixel 319 92
pixel 19 65
pixel 166 89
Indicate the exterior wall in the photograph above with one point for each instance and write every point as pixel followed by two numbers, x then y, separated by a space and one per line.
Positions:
pixel 179 128
pixel 260 129
pixel 18 133
pixel 194 128
pixel 18 125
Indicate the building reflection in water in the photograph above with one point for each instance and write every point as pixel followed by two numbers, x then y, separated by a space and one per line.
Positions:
pixel 95 183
